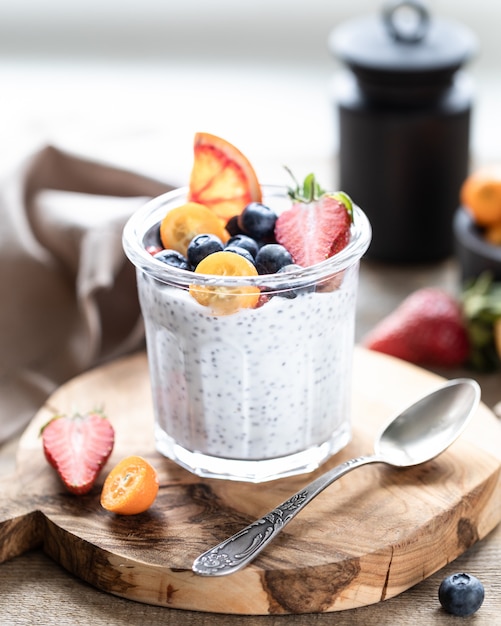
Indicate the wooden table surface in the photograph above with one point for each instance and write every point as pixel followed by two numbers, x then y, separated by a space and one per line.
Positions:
pixel 35 590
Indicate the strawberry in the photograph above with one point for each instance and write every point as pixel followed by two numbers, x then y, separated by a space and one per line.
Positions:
pixel 427 328
pixel 78 447
pixel 317 225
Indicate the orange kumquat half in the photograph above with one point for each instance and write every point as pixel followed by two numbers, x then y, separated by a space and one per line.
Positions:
pixel 131 487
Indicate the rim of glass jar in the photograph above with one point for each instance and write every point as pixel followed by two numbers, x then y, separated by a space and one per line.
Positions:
pixel 153 211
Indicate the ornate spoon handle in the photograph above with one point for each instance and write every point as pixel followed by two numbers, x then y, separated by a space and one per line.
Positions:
pixel 237 551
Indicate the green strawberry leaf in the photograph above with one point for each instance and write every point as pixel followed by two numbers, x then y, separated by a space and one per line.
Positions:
pixel 345 199
pixel 481 304
pixel 309 191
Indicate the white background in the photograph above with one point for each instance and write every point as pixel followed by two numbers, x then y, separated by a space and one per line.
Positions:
pixel 132 80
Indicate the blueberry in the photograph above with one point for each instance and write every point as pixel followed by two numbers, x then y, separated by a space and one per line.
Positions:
pixel 173 258
pixel 289 290
pixel 257 220
pixel 242 252
pixel 271 257
pixel 201 246
pixel 152 238
pixel 244 241
pixel 232 226
pixel 461 594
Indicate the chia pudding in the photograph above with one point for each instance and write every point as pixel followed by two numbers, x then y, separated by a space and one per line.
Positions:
pixel 260 393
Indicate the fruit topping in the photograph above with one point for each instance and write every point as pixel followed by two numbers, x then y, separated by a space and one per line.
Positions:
pixel 258 221
pixel 131 487
pixel 461 594
pixel 225 300
pixel 78 447
pixel 173 258
pixel 317 226
pixel 292 291
pixel 232 226
pixel 244 241
pixel 152 249
pixel 271 258
pixel 242 252
pixel 152 242
pixel 225 213
pixel 222 178
pixel 201 246
pixel 182 224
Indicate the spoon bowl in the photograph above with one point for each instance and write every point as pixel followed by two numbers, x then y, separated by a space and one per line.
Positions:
pixel 418 434
pixel 429 426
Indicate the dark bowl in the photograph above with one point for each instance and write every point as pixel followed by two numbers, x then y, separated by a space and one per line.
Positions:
pixel 475 255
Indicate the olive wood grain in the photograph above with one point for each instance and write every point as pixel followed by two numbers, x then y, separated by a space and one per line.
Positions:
pixel 367 538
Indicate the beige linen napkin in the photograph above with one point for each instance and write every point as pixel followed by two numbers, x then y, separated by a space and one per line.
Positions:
pixel 68 296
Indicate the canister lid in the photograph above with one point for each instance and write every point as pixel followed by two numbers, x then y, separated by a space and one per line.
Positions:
pixel 404 38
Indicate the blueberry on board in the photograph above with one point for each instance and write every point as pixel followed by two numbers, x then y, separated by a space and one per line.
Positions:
pixel 173 258
pixel 241 251
pixel 271 257
pixel 461 594
pixel 244 241
pixel 257 220
pixel 292 291
pixel 201 246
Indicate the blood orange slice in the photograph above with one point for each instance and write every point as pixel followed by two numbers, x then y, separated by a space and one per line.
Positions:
pixel 222 178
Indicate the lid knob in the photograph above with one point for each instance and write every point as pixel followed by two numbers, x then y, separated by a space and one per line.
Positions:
pixel 406 21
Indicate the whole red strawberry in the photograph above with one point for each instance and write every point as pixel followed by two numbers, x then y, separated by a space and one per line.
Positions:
pixel 317 226
pixel 427 329
pixel 78 447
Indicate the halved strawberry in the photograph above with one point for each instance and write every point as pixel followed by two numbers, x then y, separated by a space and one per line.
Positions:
pixel 317 226
pixel 78 447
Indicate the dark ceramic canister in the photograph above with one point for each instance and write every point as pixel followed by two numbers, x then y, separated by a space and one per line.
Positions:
pixel 404 107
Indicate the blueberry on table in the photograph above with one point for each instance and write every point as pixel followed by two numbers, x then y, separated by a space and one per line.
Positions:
pixel 257 220
pixel 244 241
pixel 173 258
pixel 201 246
pixel 461 594
pixel 272 257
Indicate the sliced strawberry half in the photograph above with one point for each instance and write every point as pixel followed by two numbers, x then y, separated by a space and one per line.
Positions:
pixel 78 447
pixel 317 225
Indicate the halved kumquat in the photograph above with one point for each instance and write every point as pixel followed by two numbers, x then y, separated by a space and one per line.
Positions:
pixel 224 300
pixel 131 487
pixel 222 178
pixel 183 223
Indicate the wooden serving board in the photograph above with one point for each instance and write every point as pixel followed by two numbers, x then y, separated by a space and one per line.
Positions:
pixel 370 536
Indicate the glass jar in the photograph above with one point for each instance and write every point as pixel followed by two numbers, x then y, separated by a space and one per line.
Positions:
pixel 248 393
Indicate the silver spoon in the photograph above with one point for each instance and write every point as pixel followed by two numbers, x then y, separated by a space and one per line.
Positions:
pixel 418 434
